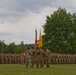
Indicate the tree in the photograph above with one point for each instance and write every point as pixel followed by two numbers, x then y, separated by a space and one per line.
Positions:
pixel 20 47
pixel 0 46
pixel 59 35
pixel 12 48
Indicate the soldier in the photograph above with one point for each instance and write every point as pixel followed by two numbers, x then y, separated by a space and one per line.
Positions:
pixel 59 58
pixel 6 59
pixel 32 56
pixel 22 59
pixel 23 53
pixel 15 58
pixel 56 58
pixel 9 58
pixel 42 57
pixel 28 58
pixel 37 56
pixel 18 58
pixel 75 58
pixel 52 58
pixel 12 58
pixel 47 57
pixel 2 58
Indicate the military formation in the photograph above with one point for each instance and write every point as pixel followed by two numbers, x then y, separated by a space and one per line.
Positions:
pixel 11 58
pixel 63 58
pixel 37 57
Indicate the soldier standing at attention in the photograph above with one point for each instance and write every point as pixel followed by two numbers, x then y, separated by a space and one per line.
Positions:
pixel 42 57
pixel 28 58
pixel 37 56
pixel 47 57
pixel 2 58
pixel 21 58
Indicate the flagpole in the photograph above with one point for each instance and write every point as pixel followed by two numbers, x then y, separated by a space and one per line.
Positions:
pixel 35 38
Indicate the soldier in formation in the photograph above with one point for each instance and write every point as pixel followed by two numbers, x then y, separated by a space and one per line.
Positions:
pixel 47 57
pixel 37 56
pixel 28 57
pixel 42 57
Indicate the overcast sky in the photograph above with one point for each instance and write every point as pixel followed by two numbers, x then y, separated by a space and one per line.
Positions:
pixel 19 18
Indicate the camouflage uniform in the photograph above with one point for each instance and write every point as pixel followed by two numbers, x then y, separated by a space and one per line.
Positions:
pixel 15 58
pixel 33 56
pixel 28 58
pixel 47 57
pixel 22 59
pixel 6 59
pixel 42 57
pixel 18 58
pixel 75 58
pixel 2 58
pixel 37 56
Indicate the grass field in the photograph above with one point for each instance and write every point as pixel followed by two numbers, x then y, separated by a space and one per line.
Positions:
pixel 17 69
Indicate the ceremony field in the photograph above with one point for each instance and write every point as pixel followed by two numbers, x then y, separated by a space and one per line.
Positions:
pixel 55 69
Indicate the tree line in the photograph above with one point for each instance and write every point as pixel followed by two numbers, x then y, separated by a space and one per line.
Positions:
pixel 13 48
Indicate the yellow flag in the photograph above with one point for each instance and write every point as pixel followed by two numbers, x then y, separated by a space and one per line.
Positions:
pixel 40 40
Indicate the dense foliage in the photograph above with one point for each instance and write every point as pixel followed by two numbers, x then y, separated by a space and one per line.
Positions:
pixel 13 48
pixel 60 32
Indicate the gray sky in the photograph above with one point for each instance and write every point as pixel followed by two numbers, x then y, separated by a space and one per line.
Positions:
pixel 18 18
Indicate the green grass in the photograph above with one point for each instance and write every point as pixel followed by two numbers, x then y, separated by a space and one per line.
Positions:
pixel 17 69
